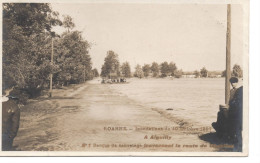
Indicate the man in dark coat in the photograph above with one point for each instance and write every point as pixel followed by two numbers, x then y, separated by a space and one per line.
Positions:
pixel 10 121
pixel 235 118
pixel 229 120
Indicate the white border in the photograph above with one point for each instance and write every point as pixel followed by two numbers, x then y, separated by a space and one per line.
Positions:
pixel 155 153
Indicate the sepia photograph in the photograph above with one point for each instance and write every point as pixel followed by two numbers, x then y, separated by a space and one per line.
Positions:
pixel 121 78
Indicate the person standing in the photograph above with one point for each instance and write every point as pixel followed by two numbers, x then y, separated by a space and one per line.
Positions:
pixel 10 120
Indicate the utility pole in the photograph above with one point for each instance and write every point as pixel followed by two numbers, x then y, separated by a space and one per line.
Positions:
pixel 228 56
pixel 84 74
pixel 50 95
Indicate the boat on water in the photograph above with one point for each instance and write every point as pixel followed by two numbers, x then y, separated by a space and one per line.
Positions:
pixel 114 81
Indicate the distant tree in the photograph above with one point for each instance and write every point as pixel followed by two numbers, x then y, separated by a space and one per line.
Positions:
pixel 223 74
pixel 68 22
pixel 237 71
pixel 188 73
pixel 178 73
pixel 214 74
pixel 172 68
pixel 95 72
pixel 196 73
pixel 111 65
pixel 155 69
pixel 204 72
pixel 146 69
pixel 138 71
pixel 164 69
pixel 126 70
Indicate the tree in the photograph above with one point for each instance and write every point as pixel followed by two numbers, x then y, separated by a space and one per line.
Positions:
pixel 138 72
pixel 111 65
pixel 196 73
pixel 26 45
pixel 146 70
pixel 68 23
pixel 126 70
pixel 71 54
pixel 223 74
pixel 172 68
pixel 30 18
pixel 155 69
pixel 204 72
pixel 30 68
pixel 164 69
pixel 237 71
pixel 95 72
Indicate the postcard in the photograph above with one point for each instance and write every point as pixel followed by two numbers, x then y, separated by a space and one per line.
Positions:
pixel 124 78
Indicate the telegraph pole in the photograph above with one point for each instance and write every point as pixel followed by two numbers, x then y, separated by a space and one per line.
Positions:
pixel 228 56
pixel 51 65
pixel 84 74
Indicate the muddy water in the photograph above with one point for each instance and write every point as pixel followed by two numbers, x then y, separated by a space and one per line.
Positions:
pixel 87 120
pixel 193 100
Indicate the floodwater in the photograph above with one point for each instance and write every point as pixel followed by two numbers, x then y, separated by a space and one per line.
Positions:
pixel 196 100
pixel 79 116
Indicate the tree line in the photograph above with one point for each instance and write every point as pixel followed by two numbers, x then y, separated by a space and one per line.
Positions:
pixel 112 69
pixel 27 47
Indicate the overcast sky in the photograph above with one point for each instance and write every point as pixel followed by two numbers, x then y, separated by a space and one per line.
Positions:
pixel 192 36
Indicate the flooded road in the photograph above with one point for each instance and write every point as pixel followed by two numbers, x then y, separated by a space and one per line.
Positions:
pixel 94 117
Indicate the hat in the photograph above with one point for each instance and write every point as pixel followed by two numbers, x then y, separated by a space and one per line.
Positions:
pixel 233 80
